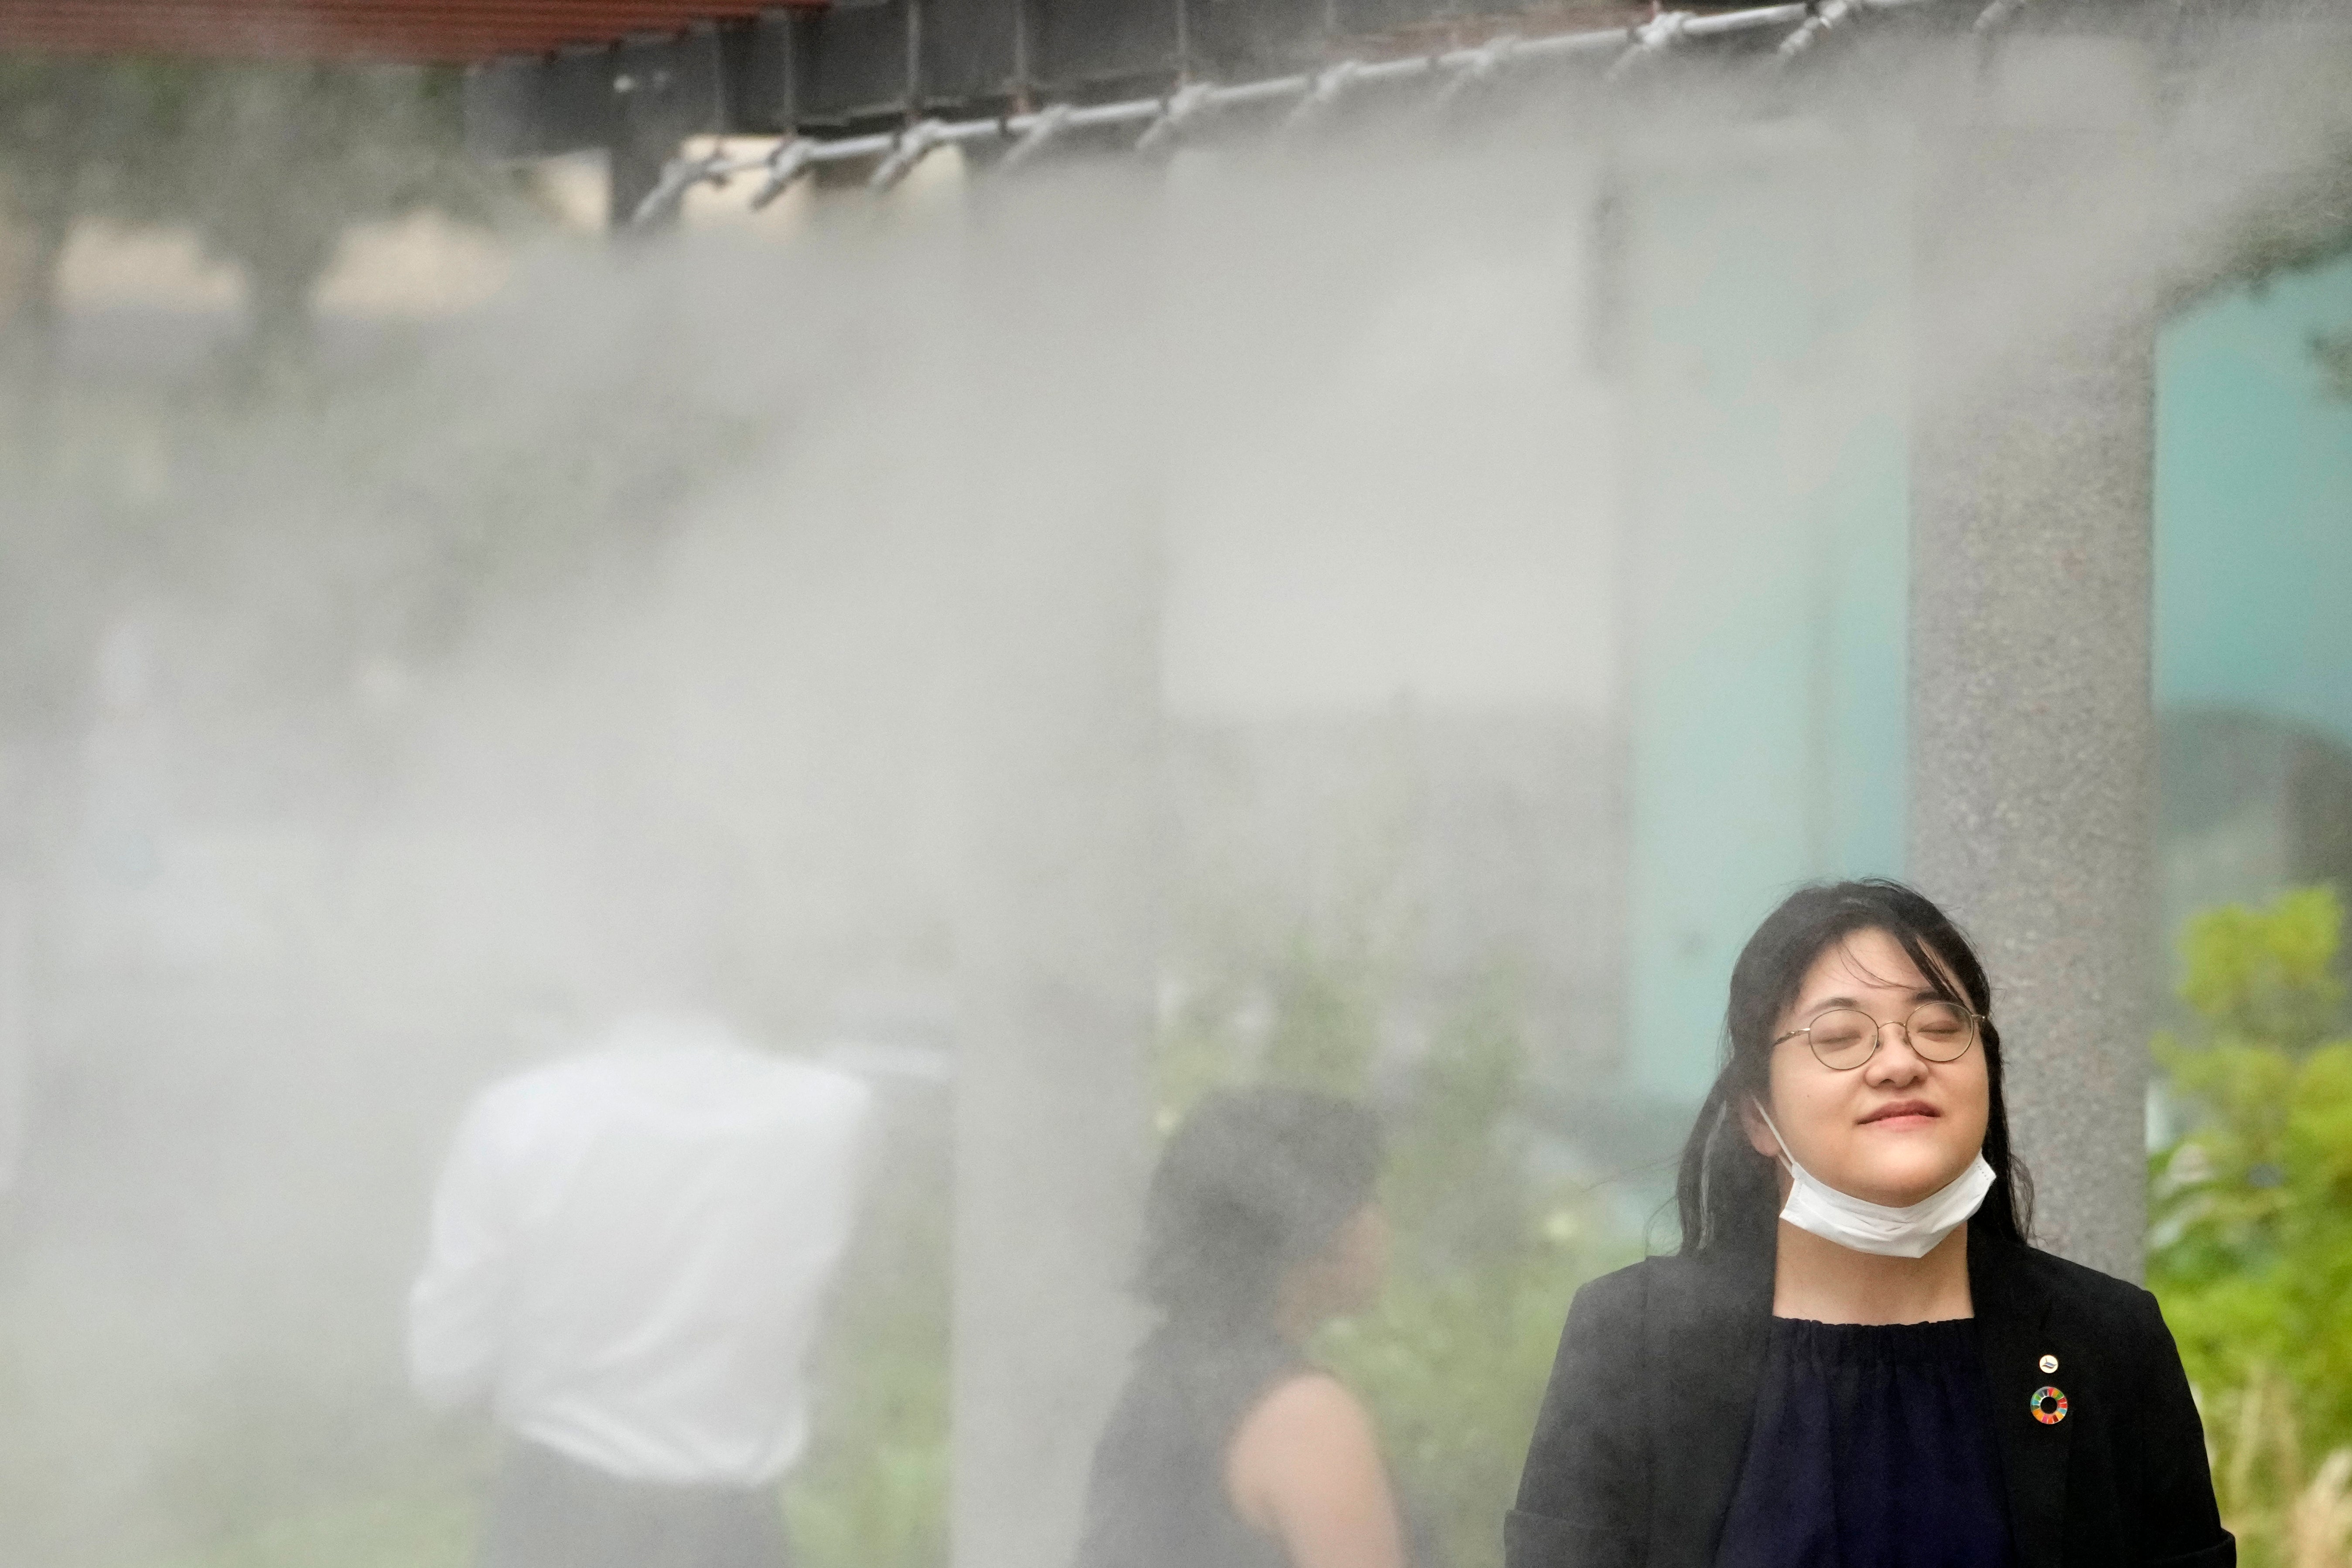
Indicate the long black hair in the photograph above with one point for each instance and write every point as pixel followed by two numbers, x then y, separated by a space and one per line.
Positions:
pixel 1254 1180
pixel 1728 1194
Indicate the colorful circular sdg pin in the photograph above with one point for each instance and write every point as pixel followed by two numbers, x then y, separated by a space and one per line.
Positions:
pixel 2049 1406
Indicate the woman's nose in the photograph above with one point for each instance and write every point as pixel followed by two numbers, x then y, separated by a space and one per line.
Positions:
pixel 1894 1061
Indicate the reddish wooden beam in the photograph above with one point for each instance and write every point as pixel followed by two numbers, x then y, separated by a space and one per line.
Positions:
pixel 448 31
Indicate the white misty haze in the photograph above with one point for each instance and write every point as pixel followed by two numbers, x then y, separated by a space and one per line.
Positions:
pixel 634 634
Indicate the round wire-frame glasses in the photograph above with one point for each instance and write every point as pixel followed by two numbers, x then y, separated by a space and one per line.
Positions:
pixel 1845 1037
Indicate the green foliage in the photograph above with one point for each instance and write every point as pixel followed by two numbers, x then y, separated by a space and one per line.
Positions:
pixel 2284 1509
pixel 1322 1036
pixel 1453 1364
pixel 1320 1026
pixel 1454 1359
pixel 873 1491
pixel 2267 975
pixel 2250 1247
pixel 1456 1190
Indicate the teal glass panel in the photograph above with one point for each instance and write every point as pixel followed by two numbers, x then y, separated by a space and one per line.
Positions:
pixel 2253 506
pixel 1767 558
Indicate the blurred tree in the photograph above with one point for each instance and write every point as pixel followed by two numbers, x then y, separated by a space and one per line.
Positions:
pixel 54 148
pixel 272 164
pixel 2334 352
pixel 2250 1245
pixel 269 165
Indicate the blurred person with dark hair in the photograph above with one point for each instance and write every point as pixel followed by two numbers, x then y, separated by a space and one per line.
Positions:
pixel 629 1252
pixel 1856 1358
pixel 1228 1448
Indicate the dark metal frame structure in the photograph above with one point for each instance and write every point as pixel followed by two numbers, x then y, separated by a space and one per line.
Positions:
pixel 1153 123
pixel 889 79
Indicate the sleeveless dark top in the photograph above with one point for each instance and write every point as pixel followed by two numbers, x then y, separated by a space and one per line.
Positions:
pixel 1872 1446
pixel 1157 1496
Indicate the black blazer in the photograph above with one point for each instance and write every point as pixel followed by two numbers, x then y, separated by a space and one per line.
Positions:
pixel 1644 1425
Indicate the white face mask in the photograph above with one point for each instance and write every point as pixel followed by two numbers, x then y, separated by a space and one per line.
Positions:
pixel 1910 1232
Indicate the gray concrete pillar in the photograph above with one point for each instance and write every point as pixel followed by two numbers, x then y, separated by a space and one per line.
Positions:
pixel 22 824
pixel 15 1029
pixel 1058 939
pixel 2032 737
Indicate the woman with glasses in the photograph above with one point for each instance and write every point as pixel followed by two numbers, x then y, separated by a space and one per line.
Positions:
pixel 1856 1360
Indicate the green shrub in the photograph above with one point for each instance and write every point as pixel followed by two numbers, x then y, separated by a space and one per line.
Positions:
pixel 872 1492
pixel 2251 1209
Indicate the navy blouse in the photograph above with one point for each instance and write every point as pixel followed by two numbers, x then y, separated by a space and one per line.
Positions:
pixel 1872 1448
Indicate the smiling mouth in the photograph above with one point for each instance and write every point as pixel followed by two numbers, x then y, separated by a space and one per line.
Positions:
pixel 1902 1108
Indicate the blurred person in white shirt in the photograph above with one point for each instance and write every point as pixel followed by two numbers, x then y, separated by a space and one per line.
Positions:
pixel 630 1251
